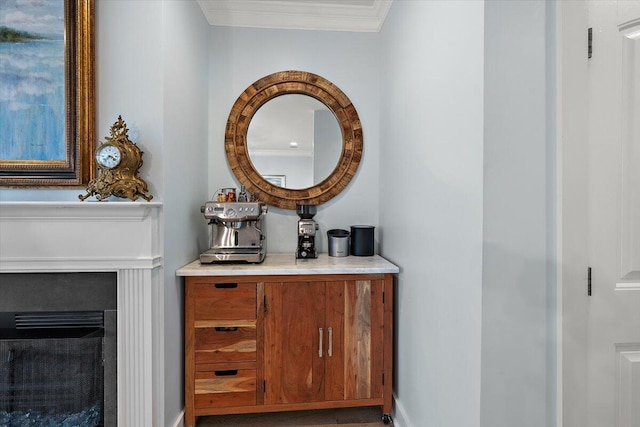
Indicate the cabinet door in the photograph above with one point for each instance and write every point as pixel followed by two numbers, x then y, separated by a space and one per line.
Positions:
pixel 293 364
pixel 354 314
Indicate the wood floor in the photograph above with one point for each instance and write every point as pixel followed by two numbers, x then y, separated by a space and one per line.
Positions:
pixel 349 417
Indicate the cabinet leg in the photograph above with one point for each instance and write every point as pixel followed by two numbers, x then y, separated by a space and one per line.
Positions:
pixel 189 419
pixel 386 418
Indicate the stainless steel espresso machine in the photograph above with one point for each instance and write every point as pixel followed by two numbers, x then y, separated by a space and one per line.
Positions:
pixel 307 228
pixel 236 232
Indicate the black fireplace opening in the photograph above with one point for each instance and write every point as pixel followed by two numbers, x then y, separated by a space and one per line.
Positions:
pixel 51 369
pixel 57 359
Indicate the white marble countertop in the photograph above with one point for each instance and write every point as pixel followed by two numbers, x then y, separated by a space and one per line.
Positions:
pixel 286 263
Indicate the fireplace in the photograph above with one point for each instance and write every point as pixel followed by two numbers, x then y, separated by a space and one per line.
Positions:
pixel 116 242
pixel 58 349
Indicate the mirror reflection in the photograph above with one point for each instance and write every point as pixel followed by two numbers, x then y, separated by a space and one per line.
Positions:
pixel 294 141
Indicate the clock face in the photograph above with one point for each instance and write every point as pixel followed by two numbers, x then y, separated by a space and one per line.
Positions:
pixel 108 156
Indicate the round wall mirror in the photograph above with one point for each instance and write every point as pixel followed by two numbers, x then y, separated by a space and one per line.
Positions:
pixel 293 138
pixel 294 141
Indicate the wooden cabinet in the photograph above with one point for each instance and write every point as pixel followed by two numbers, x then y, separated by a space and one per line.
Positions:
pixel 290 342
pixel 323 340
pixel 221 338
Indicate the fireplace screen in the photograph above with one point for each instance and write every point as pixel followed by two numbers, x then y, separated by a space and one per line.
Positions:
pixel 52 377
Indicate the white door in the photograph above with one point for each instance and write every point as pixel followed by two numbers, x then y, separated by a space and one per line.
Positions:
pixel 601 332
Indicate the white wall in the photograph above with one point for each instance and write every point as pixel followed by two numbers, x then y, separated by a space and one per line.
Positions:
pixel 185 35
pixel 296 169
pixel 467 213
pixel 431 205
pixel 327 145
pixel 130 80
pixel 518 293
pixel 240 56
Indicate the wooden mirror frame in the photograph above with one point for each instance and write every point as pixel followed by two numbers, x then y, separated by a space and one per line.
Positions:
pixel 278 84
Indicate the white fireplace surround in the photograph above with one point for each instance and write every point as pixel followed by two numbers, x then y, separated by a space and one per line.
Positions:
pixel 124 237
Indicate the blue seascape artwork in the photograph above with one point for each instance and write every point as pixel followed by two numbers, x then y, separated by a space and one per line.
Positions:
pixel 32 80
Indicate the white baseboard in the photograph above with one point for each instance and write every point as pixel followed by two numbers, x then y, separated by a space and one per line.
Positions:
pixel 180 420
pixel 400 418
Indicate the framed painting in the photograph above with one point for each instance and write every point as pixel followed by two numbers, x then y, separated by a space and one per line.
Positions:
pixel 47 105
pixel 277 180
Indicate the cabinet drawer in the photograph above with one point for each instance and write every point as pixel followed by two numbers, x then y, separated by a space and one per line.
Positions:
pixel 233 342
pixel 225 387
pixel 225 300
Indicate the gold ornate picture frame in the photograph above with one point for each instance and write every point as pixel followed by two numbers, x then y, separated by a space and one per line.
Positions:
pixel 74 163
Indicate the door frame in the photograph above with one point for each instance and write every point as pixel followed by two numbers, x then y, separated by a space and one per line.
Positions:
pixel 571 110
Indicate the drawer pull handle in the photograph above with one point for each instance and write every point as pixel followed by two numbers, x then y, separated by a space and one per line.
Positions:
pixel 226 328
pixel 330 349
pixel 320 342
pixel 227 373
pixel 226 285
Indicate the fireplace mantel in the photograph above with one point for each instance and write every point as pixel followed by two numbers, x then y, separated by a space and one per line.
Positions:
pixel 79 236
pixel 124 237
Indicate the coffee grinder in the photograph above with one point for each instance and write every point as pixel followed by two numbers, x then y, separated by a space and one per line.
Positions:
pixel 307 228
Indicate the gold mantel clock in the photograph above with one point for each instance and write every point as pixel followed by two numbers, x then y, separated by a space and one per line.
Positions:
pixel 119 161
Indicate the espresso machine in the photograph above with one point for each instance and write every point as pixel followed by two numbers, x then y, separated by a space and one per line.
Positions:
pixel 307 228
pixel 236 234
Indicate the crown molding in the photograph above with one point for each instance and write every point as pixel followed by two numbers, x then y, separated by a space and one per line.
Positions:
pixel 328 15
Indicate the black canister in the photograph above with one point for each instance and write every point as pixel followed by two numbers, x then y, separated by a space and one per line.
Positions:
pixel 362 240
